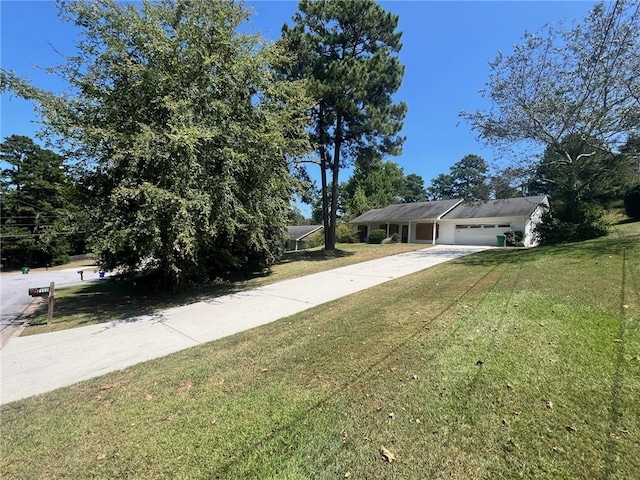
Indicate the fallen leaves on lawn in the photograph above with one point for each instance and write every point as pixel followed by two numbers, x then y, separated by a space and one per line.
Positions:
pixel 108 386
pixel 387 455
pixel 148 397
pixel 571 428
pixel 549 404
pixel 559 450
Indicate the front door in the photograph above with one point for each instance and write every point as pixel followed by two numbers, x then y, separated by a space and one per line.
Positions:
pixel 405 234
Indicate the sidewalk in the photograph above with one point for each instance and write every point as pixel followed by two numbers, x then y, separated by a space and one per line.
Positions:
pixel 40 363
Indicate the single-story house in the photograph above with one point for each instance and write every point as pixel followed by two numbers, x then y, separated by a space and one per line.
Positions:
pixel 455 222
pixel 297 234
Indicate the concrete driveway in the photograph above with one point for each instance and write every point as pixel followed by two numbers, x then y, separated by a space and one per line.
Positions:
pixel 40 363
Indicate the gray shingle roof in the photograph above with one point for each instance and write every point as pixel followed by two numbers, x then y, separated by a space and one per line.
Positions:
pixel 301 231
pixel 407 212
pixel 508 207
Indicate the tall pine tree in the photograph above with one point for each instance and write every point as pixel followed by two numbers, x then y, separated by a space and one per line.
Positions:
pixel 347 51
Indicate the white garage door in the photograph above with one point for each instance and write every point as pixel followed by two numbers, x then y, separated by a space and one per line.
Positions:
pixel 479 234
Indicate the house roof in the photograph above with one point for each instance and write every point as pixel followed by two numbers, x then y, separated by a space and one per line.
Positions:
pixel 453 209
pixel 508 207
pixel 299 232
pixel 407 211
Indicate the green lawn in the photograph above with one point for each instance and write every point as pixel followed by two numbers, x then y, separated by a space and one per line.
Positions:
pixel 505 364
pixel 92 303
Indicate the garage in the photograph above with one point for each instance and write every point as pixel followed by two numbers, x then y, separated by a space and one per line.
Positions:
pixel 479 234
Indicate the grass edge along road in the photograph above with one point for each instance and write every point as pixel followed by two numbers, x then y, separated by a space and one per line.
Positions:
pixel 103 302
pixel 504 364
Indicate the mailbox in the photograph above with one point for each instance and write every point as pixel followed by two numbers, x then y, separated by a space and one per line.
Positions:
pixel 39 292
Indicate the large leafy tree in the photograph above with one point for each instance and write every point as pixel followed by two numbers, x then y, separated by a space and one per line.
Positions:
pixel 37 213
pixel 579 83
pixel 347 51
pixel 188 131
pixel 467 179
pixel 583 182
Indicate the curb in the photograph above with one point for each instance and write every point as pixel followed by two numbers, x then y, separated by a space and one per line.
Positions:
pixel 15 328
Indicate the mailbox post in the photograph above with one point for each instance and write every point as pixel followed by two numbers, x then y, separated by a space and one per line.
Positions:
pixel 50 300
pixel 49 293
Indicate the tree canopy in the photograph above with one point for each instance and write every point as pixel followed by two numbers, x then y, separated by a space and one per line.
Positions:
pixel 467 179
pixel 187 131
pixel 374 184
pixel 572 91
pixel 348 53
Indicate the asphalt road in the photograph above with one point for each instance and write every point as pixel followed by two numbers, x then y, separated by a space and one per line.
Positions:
pixel 14 287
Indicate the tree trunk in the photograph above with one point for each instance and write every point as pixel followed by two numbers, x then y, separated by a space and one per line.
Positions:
pixel 335 167
pixel 323 175
pixel 325 197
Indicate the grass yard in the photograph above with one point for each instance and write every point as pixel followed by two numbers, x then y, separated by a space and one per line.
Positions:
pixel 506 364
pixel 93 303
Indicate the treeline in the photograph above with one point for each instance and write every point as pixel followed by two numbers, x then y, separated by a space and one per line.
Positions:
pixel 42 217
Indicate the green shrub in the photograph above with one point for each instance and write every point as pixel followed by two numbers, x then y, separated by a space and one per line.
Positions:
pixel 345 234
pixel 552 230
pixel 395 238
pixel 316 239
pixel 376 236
pixel 632 202
pixel 514 238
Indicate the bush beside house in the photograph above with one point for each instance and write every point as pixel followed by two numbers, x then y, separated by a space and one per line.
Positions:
pixel 376 236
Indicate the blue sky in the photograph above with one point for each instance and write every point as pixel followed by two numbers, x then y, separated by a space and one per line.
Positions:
pixel 447 46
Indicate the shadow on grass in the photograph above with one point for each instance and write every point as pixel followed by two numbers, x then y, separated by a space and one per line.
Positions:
pixel 114 300
pixel 130 299
pixel 315 255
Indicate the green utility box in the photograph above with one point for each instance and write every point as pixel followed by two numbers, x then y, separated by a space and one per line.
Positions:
pixel 502 240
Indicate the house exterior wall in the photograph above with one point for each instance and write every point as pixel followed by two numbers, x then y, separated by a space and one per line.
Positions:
pixel 448 234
